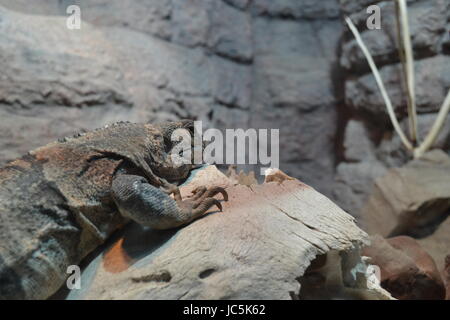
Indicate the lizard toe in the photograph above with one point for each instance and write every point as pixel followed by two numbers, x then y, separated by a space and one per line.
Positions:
pixel 205 205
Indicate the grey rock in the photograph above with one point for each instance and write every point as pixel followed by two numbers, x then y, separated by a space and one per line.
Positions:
pixel 191 22
pixel 44 7
pixel 171 67
pixel 230 33
pixel 432 83
pixel 293 92
pixel 289 64
pixel 428 24
pixel 229 118
pixel 391 150
pixel 354 183
pixel 70 73
pixel 297 9
pixel 241 4
pixel 424 124
pixel 355 175
pixel 299 156
pixel 150 17
pixel 351 6
pixel 215 24
pixel 232 83
pixel 52 88
pixel 357 144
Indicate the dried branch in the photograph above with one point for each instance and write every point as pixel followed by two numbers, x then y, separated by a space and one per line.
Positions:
pixel 435 129
pixel 406 56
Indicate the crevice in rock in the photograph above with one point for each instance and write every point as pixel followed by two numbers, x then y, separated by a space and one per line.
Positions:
pixel 423 221
pixel 164 276
pixel 206 273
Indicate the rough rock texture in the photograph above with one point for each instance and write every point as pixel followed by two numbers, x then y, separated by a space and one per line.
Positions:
pixel 230 63
pixel 379 146
pixel 51 88
pixel 433 78
pixel 291 59
pixel 393 154
pixel 355 176
pixel 407 270
pixel 428 23
pixel 257 248
pixel 411 200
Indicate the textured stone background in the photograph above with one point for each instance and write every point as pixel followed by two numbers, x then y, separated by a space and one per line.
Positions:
pixel 287 64
pixel 369 145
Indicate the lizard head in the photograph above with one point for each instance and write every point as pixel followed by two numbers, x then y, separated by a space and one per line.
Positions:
pixel 168 168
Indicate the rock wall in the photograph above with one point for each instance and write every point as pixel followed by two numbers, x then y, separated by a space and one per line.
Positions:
pixel 230 63
pixel 369 144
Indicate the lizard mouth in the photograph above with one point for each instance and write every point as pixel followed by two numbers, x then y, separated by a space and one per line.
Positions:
pixel 173 173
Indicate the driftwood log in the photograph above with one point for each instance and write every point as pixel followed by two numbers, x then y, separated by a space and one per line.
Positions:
pixel 276 240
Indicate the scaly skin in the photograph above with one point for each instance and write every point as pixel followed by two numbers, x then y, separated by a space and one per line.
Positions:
pixel 61 201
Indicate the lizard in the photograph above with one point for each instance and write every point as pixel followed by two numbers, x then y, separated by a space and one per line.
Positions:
pixel 61 201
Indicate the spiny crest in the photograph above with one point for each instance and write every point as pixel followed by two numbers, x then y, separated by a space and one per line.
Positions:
pixel 83 132
pixel 76 135
pixel 114 124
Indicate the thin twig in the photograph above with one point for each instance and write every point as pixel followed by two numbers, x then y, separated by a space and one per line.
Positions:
pixel 406 56
pixel 380 84
pixel 435 129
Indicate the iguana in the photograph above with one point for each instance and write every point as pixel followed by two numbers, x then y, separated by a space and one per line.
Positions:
pixel 61 201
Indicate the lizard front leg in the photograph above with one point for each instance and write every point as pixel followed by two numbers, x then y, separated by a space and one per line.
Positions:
pixel 150 206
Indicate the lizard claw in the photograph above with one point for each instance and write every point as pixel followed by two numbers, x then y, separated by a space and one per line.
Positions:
pixel 205 204
pixel 222 192
pixel 201 201
pixel 201 193
pixel 218 204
